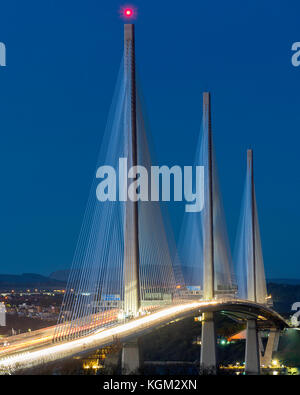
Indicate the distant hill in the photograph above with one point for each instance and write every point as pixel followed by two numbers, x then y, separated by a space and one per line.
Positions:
pixel 61 275
pixel 27 280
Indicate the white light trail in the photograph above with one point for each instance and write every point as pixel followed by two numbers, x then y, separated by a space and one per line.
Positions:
pixel 105 336
pixel 75 346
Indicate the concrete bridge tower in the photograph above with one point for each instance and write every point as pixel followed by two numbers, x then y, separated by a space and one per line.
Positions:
pixel 208 342
pixel 252 357
pixel 131 238
pixel 130 351
pixel 256 283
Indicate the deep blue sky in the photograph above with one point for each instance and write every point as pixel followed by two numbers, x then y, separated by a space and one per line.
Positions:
pixel 62 63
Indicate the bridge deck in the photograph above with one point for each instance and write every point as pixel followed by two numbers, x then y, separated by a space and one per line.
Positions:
pixel 38 348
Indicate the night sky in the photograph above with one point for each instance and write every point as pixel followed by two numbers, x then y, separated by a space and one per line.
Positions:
pixel 62 64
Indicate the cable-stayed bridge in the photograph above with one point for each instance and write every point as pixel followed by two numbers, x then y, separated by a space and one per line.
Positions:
pixel 128 277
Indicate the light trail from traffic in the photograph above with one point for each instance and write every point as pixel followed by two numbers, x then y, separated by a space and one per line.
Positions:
pixel 57 351
pixel 53 351
pixel 45 336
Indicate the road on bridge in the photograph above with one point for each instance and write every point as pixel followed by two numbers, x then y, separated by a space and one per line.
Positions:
pixel 29 351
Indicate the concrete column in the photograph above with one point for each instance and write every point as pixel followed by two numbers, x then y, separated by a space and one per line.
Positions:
pixel 208 215
pixel 131 361
pixel 261 347
pixel 251 276
pixel 260 342
pixel 208 341
pixel 252 359
pixel 276 340
pixel 131 240
pixel 208 360
pixel 272 345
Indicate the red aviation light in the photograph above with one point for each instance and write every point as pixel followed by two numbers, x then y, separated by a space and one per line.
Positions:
pixel 128 12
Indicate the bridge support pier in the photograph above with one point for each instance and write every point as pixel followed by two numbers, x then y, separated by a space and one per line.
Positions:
pixel 272 345
pixel 131 361
pixel 261 346
pixel 208 360
pixel 252 358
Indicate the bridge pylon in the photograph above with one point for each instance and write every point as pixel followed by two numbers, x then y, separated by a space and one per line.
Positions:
pixel 256 285
pixel 208 267
pixel 250 265
pixel 208 338
pixel 131 238
pixel 251 273
pixel 130 351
